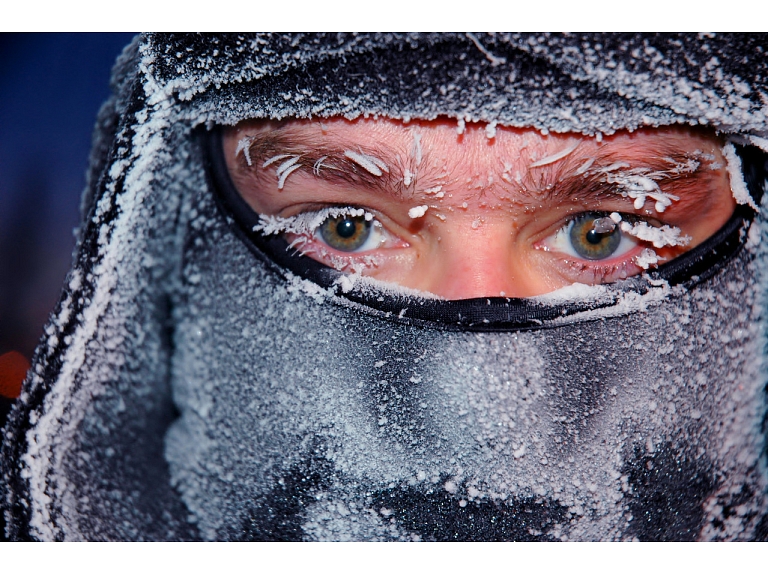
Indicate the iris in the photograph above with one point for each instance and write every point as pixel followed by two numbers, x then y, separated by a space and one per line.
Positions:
pixel 593 236
pixel 345 233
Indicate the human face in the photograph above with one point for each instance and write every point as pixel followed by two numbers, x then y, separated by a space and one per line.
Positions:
pixel 481 211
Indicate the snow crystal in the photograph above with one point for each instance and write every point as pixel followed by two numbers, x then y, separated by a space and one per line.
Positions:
pixel 647 258
pixel 738 185
pixel 369 163
pixel 559 156
pixel 417 212
pixel 659 236
pixel 244 145
pixel 307 222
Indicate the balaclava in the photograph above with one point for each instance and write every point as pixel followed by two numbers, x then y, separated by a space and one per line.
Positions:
pixel 195 384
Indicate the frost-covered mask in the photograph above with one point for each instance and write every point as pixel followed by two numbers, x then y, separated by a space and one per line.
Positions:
pixel 583 431
pixel 203 378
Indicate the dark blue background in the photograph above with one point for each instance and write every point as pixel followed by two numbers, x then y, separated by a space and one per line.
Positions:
pixel 51 87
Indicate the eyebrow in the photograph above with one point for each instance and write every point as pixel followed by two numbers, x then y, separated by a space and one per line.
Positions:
pixel 662 163
pixel 377 167
pixel 345 163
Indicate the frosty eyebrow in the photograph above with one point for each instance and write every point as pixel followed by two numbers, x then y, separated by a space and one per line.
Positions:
pixel 678 173
pixel 376 167
pixel 560 177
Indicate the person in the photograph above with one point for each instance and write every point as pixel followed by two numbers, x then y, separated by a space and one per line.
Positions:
pixel 410 287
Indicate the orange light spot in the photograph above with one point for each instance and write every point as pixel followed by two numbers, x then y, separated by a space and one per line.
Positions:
pixel 13 370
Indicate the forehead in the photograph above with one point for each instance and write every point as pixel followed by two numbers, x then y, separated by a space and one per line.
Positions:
pixel 477 146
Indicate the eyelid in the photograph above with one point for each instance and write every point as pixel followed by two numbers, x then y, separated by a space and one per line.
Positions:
pixel 303 232
pixel 633 256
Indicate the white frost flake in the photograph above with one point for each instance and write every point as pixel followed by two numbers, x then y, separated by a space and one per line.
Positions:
pixel 647 258
pixel 738 186
pixel 417 212
pixel 244 146
pixel 559 156
pixel 369 163
pixel 658 236
pixel 305 223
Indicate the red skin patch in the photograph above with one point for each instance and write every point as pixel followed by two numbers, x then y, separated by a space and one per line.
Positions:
pixel 13 370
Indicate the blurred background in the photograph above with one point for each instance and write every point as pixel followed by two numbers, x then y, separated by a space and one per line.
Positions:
pixel 51 87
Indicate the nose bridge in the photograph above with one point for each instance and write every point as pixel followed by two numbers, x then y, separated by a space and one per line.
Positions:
pixel 477 259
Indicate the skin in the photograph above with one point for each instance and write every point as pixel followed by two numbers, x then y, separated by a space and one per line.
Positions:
pixel 492 228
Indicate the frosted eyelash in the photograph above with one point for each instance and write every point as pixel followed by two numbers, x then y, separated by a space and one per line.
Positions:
pixel 658 236
pixel 306 223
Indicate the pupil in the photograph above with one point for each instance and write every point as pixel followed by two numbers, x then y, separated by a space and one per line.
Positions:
pixel 346 228
pixel 593 237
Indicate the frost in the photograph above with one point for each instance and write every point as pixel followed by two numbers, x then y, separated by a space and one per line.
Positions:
pixel 585 166
pixel 284 175
pixel 417 212
pixel 416 152
pixel 244 145
pixel 318 165
pixel 490 131
pixel 647 258
pixel 369 163
pixel 305 223
pixel 271 374
pixel 273 159
pixel 559 156
pixel 738 185
pixel 659 236
pixel 639 184
pixel 761 143
pixel 494 60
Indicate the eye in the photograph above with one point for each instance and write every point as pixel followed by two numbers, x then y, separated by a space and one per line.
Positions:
pixel 348 233
pixel 592 236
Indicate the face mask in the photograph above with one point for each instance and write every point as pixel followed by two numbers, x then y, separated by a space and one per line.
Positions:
pixel 593 422
pixel 258 398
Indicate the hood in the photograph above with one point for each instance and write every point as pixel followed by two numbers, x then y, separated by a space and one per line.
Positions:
pixel 191 385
